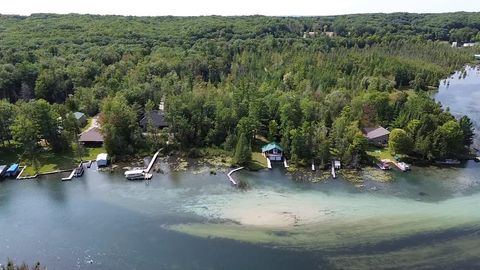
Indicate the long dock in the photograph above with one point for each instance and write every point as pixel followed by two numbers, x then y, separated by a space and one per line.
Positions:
pixel 150 165
pixel 230 175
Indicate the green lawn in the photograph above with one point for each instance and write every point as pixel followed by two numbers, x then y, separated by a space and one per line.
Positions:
pixel 379 153
pixel 47 161
pixel 258 162
pixel 91 153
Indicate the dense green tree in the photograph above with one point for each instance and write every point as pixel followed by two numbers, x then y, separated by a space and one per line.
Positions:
pixel 7 115
pixel 468 130
pixel 243 151
pixel 400 142
pixel 119 126
pixel 448 140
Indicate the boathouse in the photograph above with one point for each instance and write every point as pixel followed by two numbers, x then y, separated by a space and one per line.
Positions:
pixel 273 151
pixel 12 170
pixel 91 137
pixel 102 160
pixel 377 135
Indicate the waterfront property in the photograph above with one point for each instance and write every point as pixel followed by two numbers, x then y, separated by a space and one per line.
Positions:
pixel 477 56
pixel 273 151
pixel 92 137
pixel 81 118
pixel 102 160
pixel 377 135
pixel 157 119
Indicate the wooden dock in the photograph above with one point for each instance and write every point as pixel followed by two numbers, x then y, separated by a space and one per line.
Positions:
pixel 230 178
pixel 70 177
pixel 313 166
pixel 269 163
pixel 26 177
pixel 285 162
pixel 150 165
pixel 334 175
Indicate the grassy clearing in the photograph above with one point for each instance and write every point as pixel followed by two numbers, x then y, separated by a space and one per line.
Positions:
pixel 47 161
pixel 379 153
pixel 258 162
pixel 92 153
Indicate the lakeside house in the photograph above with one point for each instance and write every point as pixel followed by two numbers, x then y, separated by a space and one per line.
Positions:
pixel 377 135
pixel 102 160
pixel 92 137
pixel 273 151
pixel 157 117
pixel 81 118
pixel 477 56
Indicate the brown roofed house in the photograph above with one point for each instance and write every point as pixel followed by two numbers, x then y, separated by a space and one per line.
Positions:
pixel 377 135
pixel 91 137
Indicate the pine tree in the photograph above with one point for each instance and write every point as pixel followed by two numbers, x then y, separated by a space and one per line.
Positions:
pixel 243 151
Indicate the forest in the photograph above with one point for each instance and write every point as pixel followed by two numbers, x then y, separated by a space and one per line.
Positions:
pixel 310 83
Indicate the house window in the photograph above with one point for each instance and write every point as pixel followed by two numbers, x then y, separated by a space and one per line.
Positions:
pixel 275 151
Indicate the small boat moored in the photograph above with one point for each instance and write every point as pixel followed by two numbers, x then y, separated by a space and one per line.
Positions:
pixel 403 166
pixel 448 162
pixel 138 174
pixel 383 166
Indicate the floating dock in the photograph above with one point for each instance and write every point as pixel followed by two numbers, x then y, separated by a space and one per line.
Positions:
pixel 230 178
pixel 285 162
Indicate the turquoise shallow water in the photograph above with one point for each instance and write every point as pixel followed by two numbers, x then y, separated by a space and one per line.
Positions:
pixel 198 221
pixel 427 218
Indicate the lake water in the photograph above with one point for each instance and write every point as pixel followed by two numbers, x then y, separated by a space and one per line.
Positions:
pixel 462 96
pixel 428 218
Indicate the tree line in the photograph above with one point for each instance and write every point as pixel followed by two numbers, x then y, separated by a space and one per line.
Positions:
pixel 227 80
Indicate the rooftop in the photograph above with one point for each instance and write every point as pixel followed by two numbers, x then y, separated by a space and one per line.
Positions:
pixel 78 115
pixel 158 119
pixel 102 156
pixel 375 132
pixel 271 146
pixel 91 135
